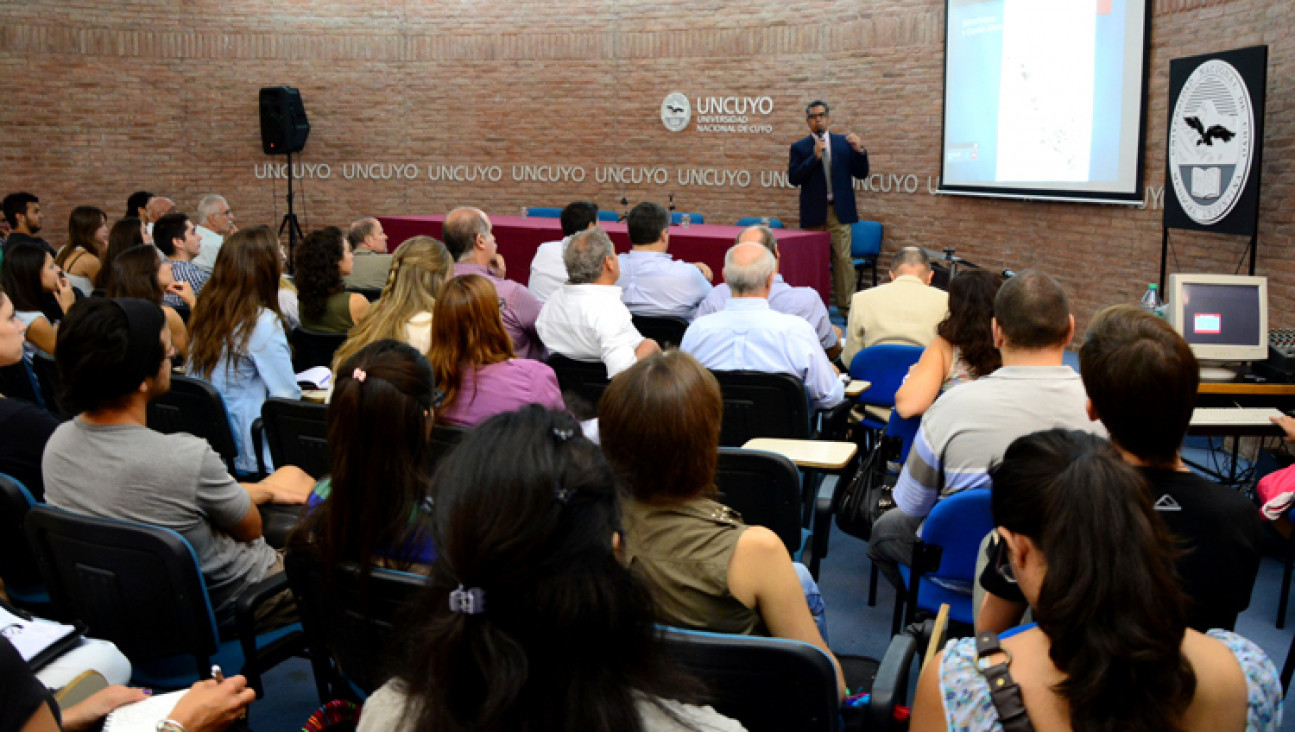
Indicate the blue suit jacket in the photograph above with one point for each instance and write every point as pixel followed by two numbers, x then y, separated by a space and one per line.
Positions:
pixel 806 171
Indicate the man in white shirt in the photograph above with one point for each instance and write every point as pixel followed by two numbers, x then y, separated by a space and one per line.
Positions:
pixel 803 302
pixel 548 272
pixel 215 222
pixel 654 284
pixel 749 336
pixel 905 310
pixel 585 320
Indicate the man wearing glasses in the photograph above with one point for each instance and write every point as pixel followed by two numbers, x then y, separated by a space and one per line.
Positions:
pixel 215 222
pixel 815 161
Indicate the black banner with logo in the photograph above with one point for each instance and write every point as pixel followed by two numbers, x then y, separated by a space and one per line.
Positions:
pixel 1215 140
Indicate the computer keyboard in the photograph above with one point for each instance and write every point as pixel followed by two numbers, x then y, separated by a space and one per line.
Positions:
pixel 1234 416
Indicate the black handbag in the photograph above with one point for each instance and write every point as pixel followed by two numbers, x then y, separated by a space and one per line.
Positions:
pixel 869 493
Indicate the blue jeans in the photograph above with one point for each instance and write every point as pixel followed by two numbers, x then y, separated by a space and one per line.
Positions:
pixel 813 596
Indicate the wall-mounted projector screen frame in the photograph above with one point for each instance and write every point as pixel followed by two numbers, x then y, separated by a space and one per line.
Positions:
pixel 1065 81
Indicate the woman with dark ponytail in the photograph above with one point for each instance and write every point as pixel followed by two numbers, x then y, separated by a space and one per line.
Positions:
pixel 531 623
pixel 1111 650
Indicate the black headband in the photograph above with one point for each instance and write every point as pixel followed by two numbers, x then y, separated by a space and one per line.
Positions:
pixel 144 323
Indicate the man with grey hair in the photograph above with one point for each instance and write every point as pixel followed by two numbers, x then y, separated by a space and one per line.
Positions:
pixel 470 238
pixel 747 335
pixel 803 302
pixel 905 310
pixel 585 319
pixel 372 263
pixel 215 221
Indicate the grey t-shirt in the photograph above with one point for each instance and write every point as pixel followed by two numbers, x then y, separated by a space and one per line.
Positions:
pixel 175 481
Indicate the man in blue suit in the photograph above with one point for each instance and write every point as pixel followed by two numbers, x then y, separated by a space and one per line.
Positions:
pixel 814 161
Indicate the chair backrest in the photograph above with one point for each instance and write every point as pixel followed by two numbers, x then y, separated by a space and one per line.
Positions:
pixel 312 348
pixel 47 377
pixel 885 365
pixel 356 625
pixel 194 406
pixel 765 488
pixel 767 684
pixel 22 580
pixel 693 217
pixel 865 239
pixel 544 212
pixel 297 434
pixel 957 525
pixel 136 585
pixel 759 404
pixel 605 215
pixel 905 430
pixel 753 220
pixel 586 379
pixel 666 331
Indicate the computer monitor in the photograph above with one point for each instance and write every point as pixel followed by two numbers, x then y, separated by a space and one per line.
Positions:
pixel 1222 317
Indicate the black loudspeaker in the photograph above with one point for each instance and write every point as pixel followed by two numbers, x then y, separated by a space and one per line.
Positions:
pixel 284 127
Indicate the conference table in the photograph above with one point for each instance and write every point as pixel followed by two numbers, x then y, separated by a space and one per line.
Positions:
pixel 806 255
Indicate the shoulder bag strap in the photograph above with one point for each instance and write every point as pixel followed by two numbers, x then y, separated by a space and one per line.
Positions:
pixel 1003 689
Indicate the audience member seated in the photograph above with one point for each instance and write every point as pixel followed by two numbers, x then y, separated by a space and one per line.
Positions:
pixel 27 705
pixel 585 320
pixel 114 357
pixel 372 509
pixel 372 262
pixel 1112 648
pixel 322 260
pixel 137 205
pixel 215 223
pixel 969 427
pixel 653 283
pixel 747 335
pixel 963 349
pixel 289 305
pixel 471 241
pixel 531 622
pixel 124 234
pixel 473 361
pixel 87 242
pixel 659 424
pixel 237 339
pixel 22 213
pixel 29 276
pixel 1141 378
pixel 175 235
pixel 144 273
pixel 419 270
pixel 803 302
pixel 548 272
pixel 158 206
pixel 24 427
pixel 905 310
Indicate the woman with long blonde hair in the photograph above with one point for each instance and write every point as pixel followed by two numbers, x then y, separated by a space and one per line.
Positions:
pixel 237 339
pixel 419 269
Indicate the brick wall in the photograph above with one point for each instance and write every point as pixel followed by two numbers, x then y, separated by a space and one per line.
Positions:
pixel 103 99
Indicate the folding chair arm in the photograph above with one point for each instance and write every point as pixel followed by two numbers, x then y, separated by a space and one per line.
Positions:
pixel 890 688
pixel 833 421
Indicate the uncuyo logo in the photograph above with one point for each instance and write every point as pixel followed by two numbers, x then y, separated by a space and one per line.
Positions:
pixel 1211 142
pixel 676 111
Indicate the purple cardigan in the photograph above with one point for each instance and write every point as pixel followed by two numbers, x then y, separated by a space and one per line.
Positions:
pixel 502 387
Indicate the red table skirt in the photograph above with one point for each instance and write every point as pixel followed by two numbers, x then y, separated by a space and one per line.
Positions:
pixel 805 254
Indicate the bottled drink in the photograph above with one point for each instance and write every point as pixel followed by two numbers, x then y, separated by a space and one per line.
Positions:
pixel 1151 301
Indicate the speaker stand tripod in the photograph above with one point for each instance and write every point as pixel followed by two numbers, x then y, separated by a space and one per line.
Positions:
pixel 290 222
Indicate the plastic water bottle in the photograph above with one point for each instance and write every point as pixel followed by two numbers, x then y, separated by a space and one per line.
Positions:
pixel 1151 301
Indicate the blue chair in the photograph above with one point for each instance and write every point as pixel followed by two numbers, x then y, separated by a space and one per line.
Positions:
pixel 885 365
pixel 544 212
pixel 905 430
pixel 865 248
pixel 754 220
pixel 676 218
pixel 944 559
pixel 605 215
pixel 18 569
pixel 141 587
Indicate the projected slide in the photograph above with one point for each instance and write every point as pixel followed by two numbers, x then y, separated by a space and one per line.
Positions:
pixel 1044 98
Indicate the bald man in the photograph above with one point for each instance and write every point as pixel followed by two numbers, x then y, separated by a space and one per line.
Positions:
pixel 747 335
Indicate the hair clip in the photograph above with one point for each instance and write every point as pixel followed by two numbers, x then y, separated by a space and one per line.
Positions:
pixel 469 602
pixel 359 375
pixel 564 494
pixel 563 435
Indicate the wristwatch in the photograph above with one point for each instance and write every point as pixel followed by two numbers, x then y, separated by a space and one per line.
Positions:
pixel 170 725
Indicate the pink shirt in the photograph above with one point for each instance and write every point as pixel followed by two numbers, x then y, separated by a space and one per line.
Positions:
pixel 503 387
